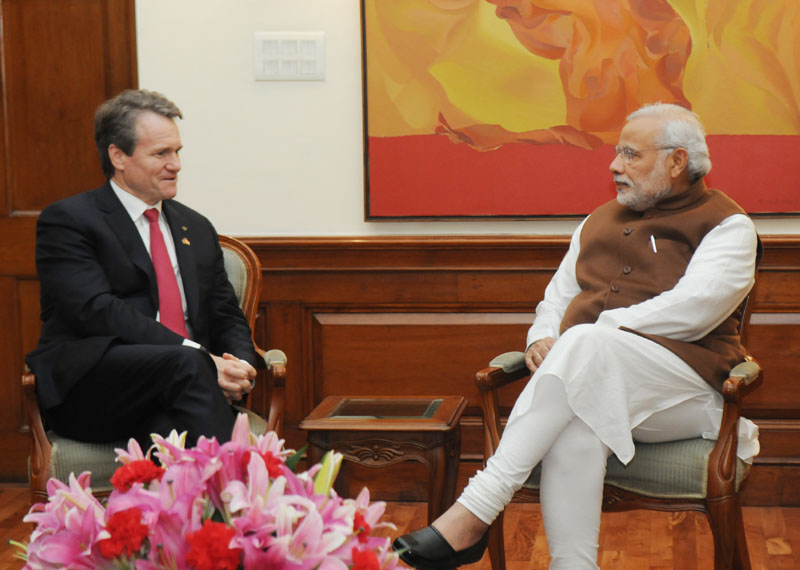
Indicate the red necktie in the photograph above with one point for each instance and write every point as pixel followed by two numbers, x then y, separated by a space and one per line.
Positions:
pixel 169 297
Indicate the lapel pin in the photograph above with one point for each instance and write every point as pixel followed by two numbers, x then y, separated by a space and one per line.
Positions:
pixel 186 241
pixel 184 228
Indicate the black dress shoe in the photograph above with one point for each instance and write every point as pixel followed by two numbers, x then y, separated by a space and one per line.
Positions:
pixel 427 549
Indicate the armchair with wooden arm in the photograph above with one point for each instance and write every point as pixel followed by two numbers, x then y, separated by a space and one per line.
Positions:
pixel 691 474
pixel 56 456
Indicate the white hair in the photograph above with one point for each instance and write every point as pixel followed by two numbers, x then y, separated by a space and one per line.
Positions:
pixel 682 129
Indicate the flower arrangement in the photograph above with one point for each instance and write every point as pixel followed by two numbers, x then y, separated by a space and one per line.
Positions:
pixel 222 507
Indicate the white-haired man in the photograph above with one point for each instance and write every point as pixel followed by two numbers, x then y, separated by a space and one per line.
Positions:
pixel 652 282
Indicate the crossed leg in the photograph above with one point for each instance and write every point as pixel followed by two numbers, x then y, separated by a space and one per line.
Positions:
pixel 545 428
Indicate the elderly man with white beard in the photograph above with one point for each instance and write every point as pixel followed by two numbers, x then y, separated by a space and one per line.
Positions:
pixel 632 341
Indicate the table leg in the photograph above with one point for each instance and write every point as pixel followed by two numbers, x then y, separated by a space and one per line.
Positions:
pixel 452 448
pixel 314 454
pixel 443 461
pixel 437 461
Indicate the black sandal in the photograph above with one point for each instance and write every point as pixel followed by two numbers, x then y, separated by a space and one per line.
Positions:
pixel 427 549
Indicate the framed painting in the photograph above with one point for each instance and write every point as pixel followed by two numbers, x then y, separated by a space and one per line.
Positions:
pixel 511 108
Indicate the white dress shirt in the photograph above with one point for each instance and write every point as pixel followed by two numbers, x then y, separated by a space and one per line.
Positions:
pixel 136 209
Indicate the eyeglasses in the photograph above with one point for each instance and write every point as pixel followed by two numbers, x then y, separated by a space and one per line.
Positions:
pixel 629 154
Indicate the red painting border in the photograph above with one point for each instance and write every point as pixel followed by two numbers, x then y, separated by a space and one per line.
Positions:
pixel 428 176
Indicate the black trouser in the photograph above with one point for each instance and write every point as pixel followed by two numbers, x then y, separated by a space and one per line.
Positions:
pixel 136 390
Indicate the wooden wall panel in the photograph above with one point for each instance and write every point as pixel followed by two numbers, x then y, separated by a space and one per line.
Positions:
pixel 11 354
pixel 777 348
pixel 4 174
pixel 17 246
pixel 29 309
pixel 420 315
pixel 398 348
pixel 10 358
pixel 61 60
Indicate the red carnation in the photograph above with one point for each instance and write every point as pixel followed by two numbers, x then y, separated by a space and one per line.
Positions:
pixel 365 560
pixel 273 463
pixel 141 471
pixel 209 550
pixel 244 461
pixel 361 527
pixel 127 534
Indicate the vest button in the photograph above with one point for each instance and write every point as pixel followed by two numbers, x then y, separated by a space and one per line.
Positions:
pixel 614 289
pixel 627 269
pixel 627 231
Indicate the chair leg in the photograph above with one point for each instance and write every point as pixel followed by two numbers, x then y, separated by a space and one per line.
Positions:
pixel 497 550
pixel 727 528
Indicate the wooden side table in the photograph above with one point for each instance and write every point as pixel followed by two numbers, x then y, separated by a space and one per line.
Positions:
pixel 380 431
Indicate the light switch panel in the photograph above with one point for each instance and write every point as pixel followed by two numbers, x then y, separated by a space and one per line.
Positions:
pixel 289 56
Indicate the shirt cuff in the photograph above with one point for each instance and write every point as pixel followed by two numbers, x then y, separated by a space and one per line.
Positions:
pixel 193 344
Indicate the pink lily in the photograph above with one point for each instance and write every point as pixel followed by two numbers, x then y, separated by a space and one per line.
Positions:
pixel 372 512
pixel 71 544
pixel 132 453
pixel 62 501
pixel 168 546
pixel 169 449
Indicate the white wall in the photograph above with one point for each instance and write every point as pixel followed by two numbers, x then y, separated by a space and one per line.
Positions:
pixel 279 158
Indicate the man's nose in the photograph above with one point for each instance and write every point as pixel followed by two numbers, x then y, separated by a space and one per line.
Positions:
pixel 174 163
pixel 617 164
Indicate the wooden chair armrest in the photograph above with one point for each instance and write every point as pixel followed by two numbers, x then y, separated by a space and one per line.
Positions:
pixel 28 381
pixel 743 379
pixel 41 448
pixel 274 357
pixel 275 361
pixel 503 370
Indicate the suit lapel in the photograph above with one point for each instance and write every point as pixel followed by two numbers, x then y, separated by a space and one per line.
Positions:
pixel 181 236
pixel 121 224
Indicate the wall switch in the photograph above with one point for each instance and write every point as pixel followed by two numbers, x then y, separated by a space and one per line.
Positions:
pixel 289 56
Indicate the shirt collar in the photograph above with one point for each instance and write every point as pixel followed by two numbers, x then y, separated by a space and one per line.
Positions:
pixel 133 205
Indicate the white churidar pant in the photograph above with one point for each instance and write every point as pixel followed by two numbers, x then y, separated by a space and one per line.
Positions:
pixel 598 388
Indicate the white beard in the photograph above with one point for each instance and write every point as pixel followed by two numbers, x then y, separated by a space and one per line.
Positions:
pixel 646 194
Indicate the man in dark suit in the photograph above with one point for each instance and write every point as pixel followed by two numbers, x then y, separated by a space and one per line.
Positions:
pixel 133 345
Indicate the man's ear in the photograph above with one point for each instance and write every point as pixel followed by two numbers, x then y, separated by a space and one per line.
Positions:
pixel 679 162
pixel 117 157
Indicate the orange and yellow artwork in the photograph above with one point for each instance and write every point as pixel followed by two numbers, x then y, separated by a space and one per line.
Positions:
pixel 511 108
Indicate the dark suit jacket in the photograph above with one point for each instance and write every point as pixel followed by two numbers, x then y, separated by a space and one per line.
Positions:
pixel 98 286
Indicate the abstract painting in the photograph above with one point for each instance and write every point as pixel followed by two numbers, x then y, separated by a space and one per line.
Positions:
pixel 511 108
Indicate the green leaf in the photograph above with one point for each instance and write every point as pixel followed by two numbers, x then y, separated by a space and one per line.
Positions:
pixel 294 458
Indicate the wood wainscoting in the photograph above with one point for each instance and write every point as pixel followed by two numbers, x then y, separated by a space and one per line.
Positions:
pixel 420 315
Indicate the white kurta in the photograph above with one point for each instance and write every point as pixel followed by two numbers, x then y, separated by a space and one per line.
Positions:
pixel 717 278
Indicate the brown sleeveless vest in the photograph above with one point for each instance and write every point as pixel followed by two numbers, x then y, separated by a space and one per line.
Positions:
pixel 617 267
